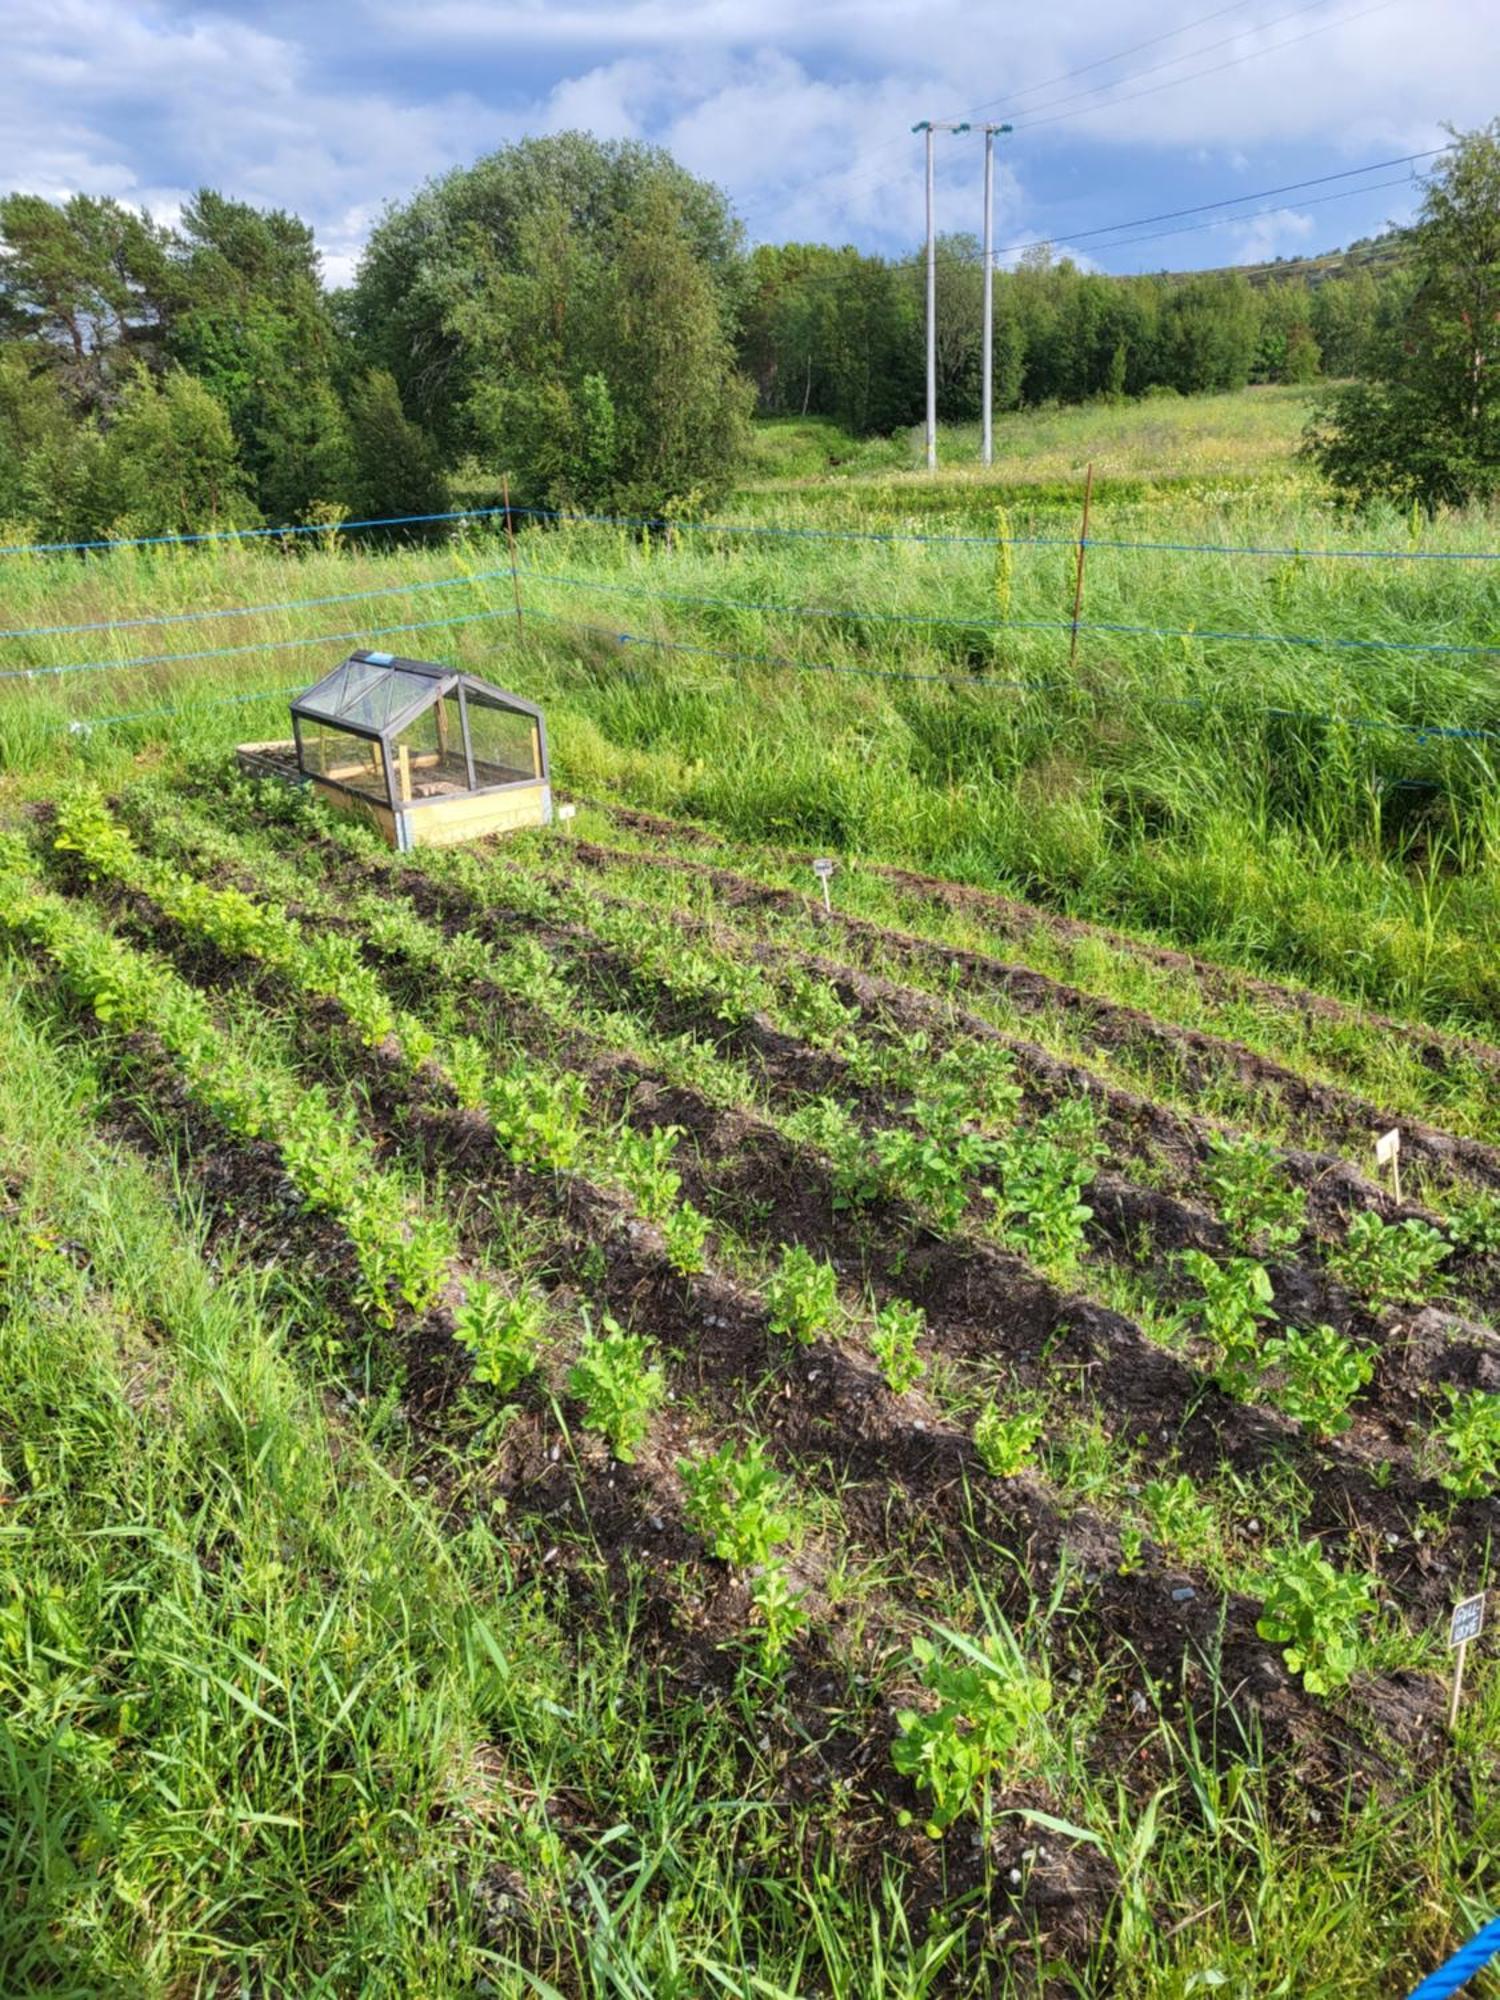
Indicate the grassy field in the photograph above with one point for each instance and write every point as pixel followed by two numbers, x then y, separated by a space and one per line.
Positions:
pixel 575 1424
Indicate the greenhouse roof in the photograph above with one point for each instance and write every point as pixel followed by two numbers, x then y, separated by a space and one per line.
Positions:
pixel 378 694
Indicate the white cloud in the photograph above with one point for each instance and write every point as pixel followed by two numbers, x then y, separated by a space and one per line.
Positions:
pixel 802 112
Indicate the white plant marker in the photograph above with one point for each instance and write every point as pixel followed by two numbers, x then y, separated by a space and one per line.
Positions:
pixel 1466 1623
pixel 565 813
pixel 823 868
pixel 1388 1154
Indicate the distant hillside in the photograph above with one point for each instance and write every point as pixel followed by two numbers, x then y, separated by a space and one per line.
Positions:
pixel 1375 255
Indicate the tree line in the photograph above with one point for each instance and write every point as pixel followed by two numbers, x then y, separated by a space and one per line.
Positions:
pixel 583 316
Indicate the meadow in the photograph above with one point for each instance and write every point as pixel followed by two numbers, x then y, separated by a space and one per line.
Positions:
pixel 573 1422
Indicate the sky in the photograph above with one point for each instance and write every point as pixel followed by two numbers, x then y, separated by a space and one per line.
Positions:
pixel 800 109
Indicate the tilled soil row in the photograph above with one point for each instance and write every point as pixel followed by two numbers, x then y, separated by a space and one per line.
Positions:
pixel 852 1429
pixel 762 1165
pixel 1437 1048
pixel 795 1072
pixel 1194 1056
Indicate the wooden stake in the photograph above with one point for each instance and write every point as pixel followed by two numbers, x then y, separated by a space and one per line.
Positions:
pixel 510 535
pixel 1083 549
pixel 1458 1686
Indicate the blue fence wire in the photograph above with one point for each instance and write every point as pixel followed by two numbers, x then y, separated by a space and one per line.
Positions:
pixel 1461 1968
pixel 977 682
pixel 754 606
pixel 563 517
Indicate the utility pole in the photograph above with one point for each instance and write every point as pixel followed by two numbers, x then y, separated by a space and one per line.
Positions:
pixel 929 126
pixel 987 448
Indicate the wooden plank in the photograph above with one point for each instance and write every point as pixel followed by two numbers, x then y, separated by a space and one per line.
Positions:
pixel 450 821
pixel 403 774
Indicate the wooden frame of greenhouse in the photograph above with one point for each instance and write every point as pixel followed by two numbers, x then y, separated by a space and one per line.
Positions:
pixel 431 754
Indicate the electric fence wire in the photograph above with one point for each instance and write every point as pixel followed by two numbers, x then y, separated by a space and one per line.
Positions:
pixel 977 682
pixel 655 524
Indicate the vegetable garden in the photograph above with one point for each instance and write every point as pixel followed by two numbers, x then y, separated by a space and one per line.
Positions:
pixel 954 1361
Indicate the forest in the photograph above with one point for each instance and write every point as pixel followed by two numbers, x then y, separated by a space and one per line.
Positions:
pixel 582 317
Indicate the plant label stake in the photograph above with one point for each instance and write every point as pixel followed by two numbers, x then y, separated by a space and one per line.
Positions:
pixel 1466 1623
pixel 823 868
pixel 1388 1154
pixel 565 813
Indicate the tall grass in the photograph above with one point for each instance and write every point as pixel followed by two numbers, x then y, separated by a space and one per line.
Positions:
pixel 1268 801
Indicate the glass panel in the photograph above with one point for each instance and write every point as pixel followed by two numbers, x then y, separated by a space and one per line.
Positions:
pixel 348 760
pixel 504 742
pixel 429 754
pixel 366 692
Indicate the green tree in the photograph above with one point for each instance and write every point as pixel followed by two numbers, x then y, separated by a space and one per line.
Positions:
pixel 1425 426
pixel 82 285
pixel 168 462
pixel 248 316
pixel 395 466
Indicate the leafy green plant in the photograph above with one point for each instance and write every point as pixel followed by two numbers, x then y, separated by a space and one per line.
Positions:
pixel 813 1005
pixel 503 1332
pixel 1387 1262
pixel 619 1388
pixel 1471 1434
pixel 1474 1220
pixel 1038 1199
pixel 1260 1208
pixel 1323 1372
pixel 1234 1299
pixel 739 1503
pixel 801 1295
pixel 893 1341
pixel 1005 1443
pixel 538 1119
pixel 467 1062
pixel 829 1127
pixel 986 1704
pixel 1313 1611
pixel 641 1162
pixel 1180 1519
pixel 684 1232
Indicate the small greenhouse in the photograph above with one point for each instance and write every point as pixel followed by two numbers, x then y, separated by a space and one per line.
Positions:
pixel 431 754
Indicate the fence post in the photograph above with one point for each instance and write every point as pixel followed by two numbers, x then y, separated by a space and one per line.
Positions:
pixel 510 536
pixel 1083 549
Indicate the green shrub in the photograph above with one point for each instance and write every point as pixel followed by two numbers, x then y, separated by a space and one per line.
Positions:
pixel 1259 1206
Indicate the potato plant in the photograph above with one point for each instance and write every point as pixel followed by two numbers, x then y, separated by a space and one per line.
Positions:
pixel 893 1341
pixel 984 1708
pixel 1322 1372
pixel 502 1331
pixel 801 1295
pixel 1260 1208
pixel 620 1388
pixel 1006 1443
pixel 1233 1303
pixel 1470 1434
pixel 1387 1263
pixel 742 1508
pixel 1314 1612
